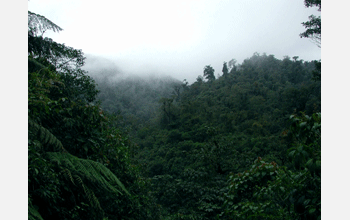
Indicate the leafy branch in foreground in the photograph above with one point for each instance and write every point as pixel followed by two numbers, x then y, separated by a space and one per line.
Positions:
pixel 268 191
pixel 313 26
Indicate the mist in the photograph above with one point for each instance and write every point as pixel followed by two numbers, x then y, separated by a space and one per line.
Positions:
pixel 179 38
pixel 109 71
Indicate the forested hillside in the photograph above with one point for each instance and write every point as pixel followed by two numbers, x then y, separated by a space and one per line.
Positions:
pixel 198 135
pixel 136 99
pixel 243 142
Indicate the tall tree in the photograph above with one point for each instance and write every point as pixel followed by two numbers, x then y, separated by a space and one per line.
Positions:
pixel 225 69
pixel 232 65
pixel 209 73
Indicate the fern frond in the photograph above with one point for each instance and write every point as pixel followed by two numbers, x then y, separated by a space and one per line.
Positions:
pixel 89 193
pixel 33 213
pixel 45 136
pixel 38 23
pixel 68 175
pixel 91 172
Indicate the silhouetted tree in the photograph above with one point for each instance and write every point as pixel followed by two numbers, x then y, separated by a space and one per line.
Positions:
pixel 225 69
pixel 209 73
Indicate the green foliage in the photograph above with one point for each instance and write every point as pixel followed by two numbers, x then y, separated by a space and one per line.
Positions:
pixel 317 72
pixel 134 100
pixel 99 175
pixel 312 3
pixel 191 149
pixel 306 132
pixel 195 136
pixel 313 29
pixel 224 69
pixel 75 150
pixel 209 73
pixel 243 200
pixel 47 139
pixel 86 174
pixel 33 213
pixel 271 192
pixel 313 26
pixel 213 128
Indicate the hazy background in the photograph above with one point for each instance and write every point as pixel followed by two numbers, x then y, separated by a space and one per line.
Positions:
pixel 179 38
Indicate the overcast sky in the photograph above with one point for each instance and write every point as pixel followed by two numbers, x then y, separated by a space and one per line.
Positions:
pixel 180 37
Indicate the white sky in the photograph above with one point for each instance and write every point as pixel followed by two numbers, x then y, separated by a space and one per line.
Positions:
pixel 180 37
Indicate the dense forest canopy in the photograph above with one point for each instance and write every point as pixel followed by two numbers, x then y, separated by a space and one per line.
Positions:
pixel 244 143
pixel 200 134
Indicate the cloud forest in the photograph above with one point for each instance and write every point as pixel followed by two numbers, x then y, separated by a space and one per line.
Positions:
pixel 241 142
